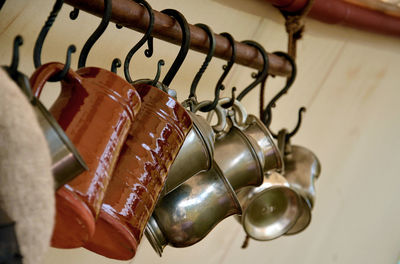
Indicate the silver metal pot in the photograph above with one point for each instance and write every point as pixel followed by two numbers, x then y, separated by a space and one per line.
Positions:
pixel 269 210
pixel 240 159
pixel 196 153
pixel 302 169
pixel 186 215
pixel 67 163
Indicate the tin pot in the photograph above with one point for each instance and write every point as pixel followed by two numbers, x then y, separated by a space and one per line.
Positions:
pixel 255 129
pixel 96 109
pixel 187 214
pixel 302 169
pixel 153 143
pixel 269 210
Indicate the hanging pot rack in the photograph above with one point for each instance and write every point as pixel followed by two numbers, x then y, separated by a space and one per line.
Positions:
pixel 134 16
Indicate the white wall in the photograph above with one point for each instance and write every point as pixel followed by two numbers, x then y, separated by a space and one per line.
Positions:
pixel 349 82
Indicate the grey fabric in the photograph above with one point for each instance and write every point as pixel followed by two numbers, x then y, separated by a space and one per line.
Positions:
pixel 26 182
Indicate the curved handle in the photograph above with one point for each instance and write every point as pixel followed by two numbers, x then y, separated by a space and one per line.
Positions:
pixel 45 72
pixel 221 114
pixel 240 119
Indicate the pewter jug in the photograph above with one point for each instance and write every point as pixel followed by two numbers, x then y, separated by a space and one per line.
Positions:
pixel 187 214
pixel 269 210
pixel 302 169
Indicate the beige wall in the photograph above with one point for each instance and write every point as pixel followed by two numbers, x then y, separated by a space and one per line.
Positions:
pixel 348 80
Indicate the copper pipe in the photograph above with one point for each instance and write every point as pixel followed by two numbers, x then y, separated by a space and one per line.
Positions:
pixel 133 16
pixel 345 13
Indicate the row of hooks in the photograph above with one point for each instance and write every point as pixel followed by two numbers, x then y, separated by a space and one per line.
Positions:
pixel 260 77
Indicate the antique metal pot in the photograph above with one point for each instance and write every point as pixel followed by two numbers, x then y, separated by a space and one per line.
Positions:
pixel 187 214
pixel 269 210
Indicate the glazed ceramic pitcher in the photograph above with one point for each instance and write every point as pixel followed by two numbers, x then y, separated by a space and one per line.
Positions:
pixel 96 109
pixel 154 140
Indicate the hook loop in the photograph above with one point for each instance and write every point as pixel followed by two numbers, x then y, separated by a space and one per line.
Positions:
pixel 18 41
pixel 116 63
pixel 157 77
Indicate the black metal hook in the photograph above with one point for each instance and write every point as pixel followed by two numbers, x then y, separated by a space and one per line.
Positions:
pixel 207 60
pixel 146 37
pixel 37 51
pixel 96 34
pixel 232 101
pixel 296 129
pixel 261 75
pixel 209 107
pixel 267 114
pixel 291 134
pixel 228 67
pixel 74 14
pixel 184 45
pixel 157 77
pixel 12 70
pixel 116 63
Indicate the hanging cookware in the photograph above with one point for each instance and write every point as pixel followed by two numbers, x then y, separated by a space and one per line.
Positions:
pixel 255 129
pixel 270 209
pixel 187 214
pixel 238 156
pixel 301 171
pixel 152 145
pixel 95 109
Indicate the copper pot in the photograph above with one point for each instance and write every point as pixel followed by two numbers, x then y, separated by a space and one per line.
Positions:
pixel 154 140
pixel 96 109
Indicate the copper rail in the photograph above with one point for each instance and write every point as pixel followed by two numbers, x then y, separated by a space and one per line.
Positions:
pixel 132 15
pixel 344 12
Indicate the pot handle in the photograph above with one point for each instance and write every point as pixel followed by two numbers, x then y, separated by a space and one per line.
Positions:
pixel 239 112
pixel 45 72
pixel 221 114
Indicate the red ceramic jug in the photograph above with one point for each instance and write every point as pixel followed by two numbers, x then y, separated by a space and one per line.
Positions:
pixel 153 142
pixel 96 109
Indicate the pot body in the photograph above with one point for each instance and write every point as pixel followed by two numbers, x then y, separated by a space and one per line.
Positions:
pixel 153 142
pixel 273 160
pixel 190 212
pixel 270 209
pixel 195 155
pixel 302 170
pixel 239 158
pixel 96 109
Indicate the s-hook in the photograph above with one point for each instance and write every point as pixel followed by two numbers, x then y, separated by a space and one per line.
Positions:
pixel 261 75
pixel 199 74
pixel 37 51
pixel 184 45
pixel 227 69
pixel 207 60
pixel 96 34
pixel 267 114
pixel 146 37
